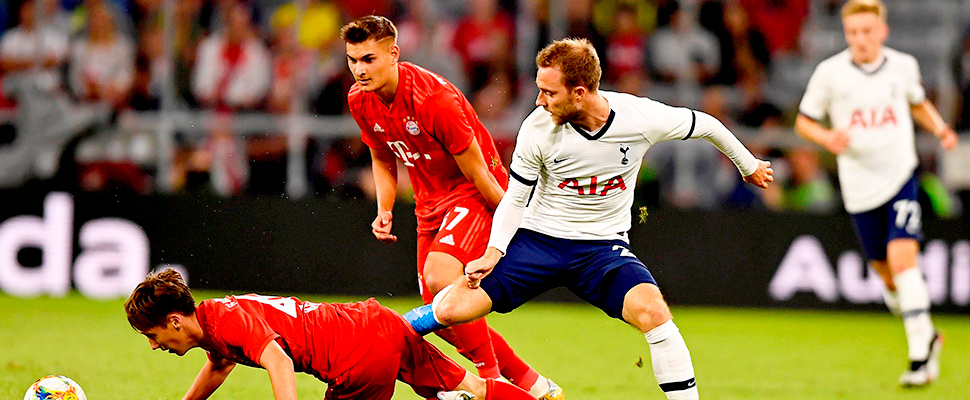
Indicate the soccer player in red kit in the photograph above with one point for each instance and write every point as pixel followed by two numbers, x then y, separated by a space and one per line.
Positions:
pixel 410 114
pixel 358 349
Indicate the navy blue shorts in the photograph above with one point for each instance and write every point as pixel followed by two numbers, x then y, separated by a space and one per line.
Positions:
pixel 899 218
pixel 598 271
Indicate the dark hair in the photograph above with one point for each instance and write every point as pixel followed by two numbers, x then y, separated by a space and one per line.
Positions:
pixel 577 61
pixel 159 295
pixel 370 27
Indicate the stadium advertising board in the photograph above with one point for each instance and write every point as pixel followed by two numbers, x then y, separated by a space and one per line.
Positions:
pixel 103 244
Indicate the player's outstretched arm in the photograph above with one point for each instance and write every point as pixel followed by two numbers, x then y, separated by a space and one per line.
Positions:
pixel 471 162
pixel 384 169
pixel 280 369
pixel 929 118
pixel 211 376
pixel 754 171
pixel 761 176
pixel 834 140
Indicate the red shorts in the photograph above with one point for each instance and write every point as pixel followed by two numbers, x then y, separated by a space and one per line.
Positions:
pixel 398 352
pixel 463 233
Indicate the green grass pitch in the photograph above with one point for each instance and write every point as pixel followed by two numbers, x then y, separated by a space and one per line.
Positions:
pixel 737 353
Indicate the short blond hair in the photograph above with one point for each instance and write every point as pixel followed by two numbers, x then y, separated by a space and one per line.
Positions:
pixel 577 61
pixel 864 6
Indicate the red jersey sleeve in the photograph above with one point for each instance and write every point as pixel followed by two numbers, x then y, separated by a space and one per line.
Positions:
pixel 449 122
pixel 356 106
pixel 239 329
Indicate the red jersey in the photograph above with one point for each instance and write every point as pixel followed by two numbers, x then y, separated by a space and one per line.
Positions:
pixel 323 339
pixel 428 122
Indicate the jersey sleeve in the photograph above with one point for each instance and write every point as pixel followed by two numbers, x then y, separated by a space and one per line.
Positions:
pixel 664 122
pixel 367 135
pixel 815 102
pixel 915 93
pixel 238 328
pixel 527 156
pixel 450 125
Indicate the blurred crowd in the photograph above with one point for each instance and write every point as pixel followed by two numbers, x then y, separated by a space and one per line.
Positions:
pixel 80 65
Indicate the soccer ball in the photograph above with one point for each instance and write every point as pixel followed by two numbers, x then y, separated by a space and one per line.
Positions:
pixel 55 387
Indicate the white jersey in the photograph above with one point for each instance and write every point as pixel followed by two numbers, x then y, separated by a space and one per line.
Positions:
pixel 584 181
pixel 874 107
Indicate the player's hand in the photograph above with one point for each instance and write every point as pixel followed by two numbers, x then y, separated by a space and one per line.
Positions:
pixel 949 139
pixel 761 176
pixel 836 141
pixel 476 270
pixel 382 227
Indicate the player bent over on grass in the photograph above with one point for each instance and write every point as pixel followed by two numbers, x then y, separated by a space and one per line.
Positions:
pixel 871 94
pixel 358 349
pixel 410 114
pixel 575 165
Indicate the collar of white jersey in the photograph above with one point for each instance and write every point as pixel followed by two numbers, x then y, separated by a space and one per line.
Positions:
pixel 594 136
pixel 871 70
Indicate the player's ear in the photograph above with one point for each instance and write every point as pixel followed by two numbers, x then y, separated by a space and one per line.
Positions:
pixel 175 320
pixel 579 92
pixel 395 53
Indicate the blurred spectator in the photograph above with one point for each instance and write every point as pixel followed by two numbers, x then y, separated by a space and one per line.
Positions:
pixel 102 62
pixel 30 50
pixel 579 23
pixel 110 176
pixel 781 21
pixel 960 67
pixel 342 169
pixel 232 70
pixel 626 52
pixel 744 53
pixel 356 8
pixel 808 188
pixel 268 153
pixel 320 23
pixel 644 15
pixel 483 40
pixel 119 10
pixel 425 39
pixel 189 32
pixel 145 13
pixel 151 68
pixel 680 51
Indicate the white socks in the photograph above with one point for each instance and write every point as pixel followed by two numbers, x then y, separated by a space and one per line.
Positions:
pixel 671 362
pixel 891 299
pixel 914 304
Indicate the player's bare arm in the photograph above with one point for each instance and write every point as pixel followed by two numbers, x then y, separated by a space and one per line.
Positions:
pixel 471 162
pixel 209 379
pixel 927 116
pixel 384 168
pixel 280 369
pixel 834 140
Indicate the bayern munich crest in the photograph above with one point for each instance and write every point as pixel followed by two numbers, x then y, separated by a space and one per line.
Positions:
pixel 412 127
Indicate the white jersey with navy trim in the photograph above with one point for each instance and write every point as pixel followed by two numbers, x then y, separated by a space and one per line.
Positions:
pixel 584 181
pixel 874 107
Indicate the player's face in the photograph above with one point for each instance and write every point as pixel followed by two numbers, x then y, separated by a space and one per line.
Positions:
pixel 168 339
pixel 865 34
pixel 555 98
pixel 371 62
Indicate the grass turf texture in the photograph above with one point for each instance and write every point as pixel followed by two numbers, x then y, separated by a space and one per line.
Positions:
pixel 737 353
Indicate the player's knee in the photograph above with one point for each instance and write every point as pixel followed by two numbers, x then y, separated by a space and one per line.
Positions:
pixel 441 270
pixel 456 305
pixel 646 309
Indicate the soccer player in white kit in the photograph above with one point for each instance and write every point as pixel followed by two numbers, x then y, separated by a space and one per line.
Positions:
pixel 564 219
pixel 871 94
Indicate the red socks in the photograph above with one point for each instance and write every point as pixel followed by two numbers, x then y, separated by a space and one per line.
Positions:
pixel 496 390
pixel 473 341
pixel 512 367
